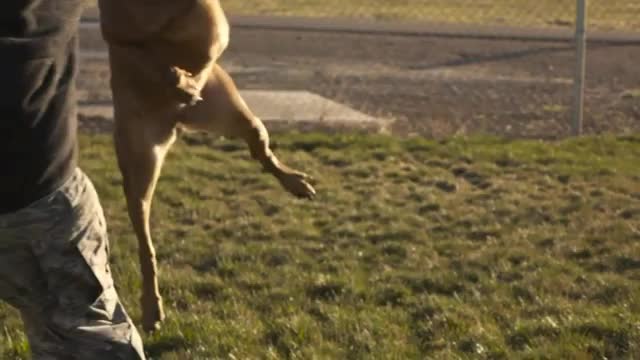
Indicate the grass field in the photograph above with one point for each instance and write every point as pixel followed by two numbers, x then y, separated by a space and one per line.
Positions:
pixel 461 249
pixel 610 14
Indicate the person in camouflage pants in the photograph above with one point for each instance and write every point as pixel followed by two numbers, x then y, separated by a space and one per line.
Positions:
pixel 54 269
pixel 54 248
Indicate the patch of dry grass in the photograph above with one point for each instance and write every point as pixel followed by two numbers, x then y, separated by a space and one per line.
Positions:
pixel 612 14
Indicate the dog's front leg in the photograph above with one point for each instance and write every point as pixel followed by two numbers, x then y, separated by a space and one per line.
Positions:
pixel 223 111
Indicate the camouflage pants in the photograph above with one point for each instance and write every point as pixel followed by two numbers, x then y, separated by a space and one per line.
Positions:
pixel 54 269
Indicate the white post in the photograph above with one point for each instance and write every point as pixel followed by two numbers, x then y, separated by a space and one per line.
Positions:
pixel 581 47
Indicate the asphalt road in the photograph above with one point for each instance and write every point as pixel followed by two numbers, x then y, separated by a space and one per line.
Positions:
pixel 431 86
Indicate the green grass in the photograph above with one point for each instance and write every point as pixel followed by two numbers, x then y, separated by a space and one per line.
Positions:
pixel 631 94
pixel 610 14
pixel 463 249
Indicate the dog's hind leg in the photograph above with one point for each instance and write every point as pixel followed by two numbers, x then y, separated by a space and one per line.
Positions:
pixel 223 111
pixel 141 147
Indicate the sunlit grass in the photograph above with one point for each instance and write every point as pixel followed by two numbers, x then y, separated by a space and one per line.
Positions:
pixel 466 248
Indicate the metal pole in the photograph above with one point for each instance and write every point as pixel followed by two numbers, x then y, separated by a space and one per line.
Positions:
pixel 581 49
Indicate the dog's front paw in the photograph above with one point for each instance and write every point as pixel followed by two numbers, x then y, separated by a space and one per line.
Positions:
pixel 297 184
pixel 185 86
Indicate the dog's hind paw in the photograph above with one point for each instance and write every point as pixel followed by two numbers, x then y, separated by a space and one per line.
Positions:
pixel 152 314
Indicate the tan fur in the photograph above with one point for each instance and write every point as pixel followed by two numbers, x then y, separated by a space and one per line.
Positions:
pixel 165 75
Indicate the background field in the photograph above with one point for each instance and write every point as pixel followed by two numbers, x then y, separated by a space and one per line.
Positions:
pixel 477 248
pixel 611 14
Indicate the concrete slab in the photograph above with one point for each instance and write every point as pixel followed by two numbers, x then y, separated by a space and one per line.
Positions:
pixel 280 111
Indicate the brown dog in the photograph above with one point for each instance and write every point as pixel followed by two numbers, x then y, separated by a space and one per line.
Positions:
pixel 164 75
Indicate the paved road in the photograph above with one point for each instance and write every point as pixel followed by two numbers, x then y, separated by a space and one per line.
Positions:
pixel 432 86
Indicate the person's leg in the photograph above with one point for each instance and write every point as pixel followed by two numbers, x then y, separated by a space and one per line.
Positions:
pixel 72 311
pixel 21 280
pixel 22 283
